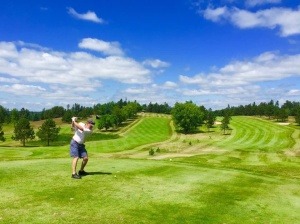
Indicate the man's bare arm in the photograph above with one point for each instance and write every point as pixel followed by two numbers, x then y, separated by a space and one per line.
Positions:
pixel 75 124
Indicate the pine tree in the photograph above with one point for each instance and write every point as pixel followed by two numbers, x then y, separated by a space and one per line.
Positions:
pixel 23 131
pixel 225 122
pixel 2 138
pixel 48 131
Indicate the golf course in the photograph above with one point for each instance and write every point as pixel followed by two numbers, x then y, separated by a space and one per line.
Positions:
pixel 249 175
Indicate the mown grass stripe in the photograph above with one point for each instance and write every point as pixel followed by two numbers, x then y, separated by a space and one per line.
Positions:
pixel 257 134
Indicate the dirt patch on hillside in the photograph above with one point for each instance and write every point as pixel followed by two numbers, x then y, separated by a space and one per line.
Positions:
pixel 283 123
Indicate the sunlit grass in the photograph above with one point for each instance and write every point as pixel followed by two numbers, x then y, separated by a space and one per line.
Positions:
pixel 245 177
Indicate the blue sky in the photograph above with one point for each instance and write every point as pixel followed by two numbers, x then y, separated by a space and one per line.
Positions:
pixel 215 53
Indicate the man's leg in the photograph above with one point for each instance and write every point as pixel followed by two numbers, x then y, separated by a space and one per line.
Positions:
pixel 84 155
pixel 84 162
pixel 74 164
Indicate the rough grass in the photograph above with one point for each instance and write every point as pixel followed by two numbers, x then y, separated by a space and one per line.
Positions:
pixel 244 177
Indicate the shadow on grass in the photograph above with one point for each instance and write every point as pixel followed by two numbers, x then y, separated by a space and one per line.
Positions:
pixel 99 173
pixel 191 132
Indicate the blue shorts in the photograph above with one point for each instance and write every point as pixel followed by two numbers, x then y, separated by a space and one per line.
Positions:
pixel 77 150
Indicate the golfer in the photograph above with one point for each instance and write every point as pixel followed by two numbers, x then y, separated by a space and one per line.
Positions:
pixel 77 147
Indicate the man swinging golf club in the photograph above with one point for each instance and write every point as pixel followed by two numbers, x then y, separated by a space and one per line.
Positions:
pixel 77 147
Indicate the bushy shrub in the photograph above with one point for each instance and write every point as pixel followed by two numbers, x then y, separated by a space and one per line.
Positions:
pixel 151 152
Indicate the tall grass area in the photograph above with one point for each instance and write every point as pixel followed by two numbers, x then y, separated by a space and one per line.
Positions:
pixel 249 176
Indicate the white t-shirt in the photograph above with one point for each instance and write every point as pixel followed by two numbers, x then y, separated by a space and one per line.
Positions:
pixel 80 135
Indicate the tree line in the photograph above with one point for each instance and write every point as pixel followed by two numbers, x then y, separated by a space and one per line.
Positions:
pixel 11 116
pixel 109 115
pixel 187 117
pixel 268 109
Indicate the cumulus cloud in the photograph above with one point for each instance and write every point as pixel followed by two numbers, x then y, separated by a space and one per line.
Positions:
pixel 8 80
pixel 136 90
pixel 156 63
pixel 169 85
pixel 20 89
pixel 294 92
pixel 216 14
pixel 107 48
pixel 89 16
pixel 166 92
pixel 60 78
pixel 69 69
pixel 244 76
pixel 286 19
pixel 253 3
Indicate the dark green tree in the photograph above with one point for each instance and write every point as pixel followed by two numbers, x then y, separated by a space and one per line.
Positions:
pixel 187 116
pixel 67 116
pixel 106 121
pixel 3 114
pixel 131 109
pixel 210 119
pixel 119 115
pixel 225 122
pixel 14 115
pixel 2 138
pixel 48 132
pixel 282 114
pixel 297 116
pixel 24 113
pixel 23 131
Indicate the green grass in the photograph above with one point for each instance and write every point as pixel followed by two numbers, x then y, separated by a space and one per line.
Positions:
pixel 245 177
pixel 257 134
pixel 149 130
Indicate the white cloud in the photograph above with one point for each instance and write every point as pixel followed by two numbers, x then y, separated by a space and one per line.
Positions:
pixel 286 19
pixel 152 93
pixel 253 3
pixel 69 69
pixel 89 16
pixel 197 79
pixel 294 92
pixel 8 80
pixel 156 63
pixel 217 14
pixel 20 89
pixel 107 48
pixel 136 90
pixel 169 85
pixel 244 76
pixel 8 50
pixel 59 78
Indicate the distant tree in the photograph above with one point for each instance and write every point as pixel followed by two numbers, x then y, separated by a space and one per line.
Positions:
pixel 14 115
pixel 106 121
pixel 187 116
pixel 48 131
pixel 3 114
pixel 297 116
pixel 282 114
pixel 225 122
pixel 57 111
pixel 270 109
pixel 131 109
pixel 24 113
pixel 118 114
pixel 2 138
pixel 23 131
pixel 67 116
pixel 210 119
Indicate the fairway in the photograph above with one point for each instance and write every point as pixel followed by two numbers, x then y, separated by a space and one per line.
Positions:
pixel 248 176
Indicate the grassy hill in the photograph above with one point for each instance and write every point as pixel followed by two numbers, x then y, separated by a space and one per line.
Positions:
pixel 249 176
